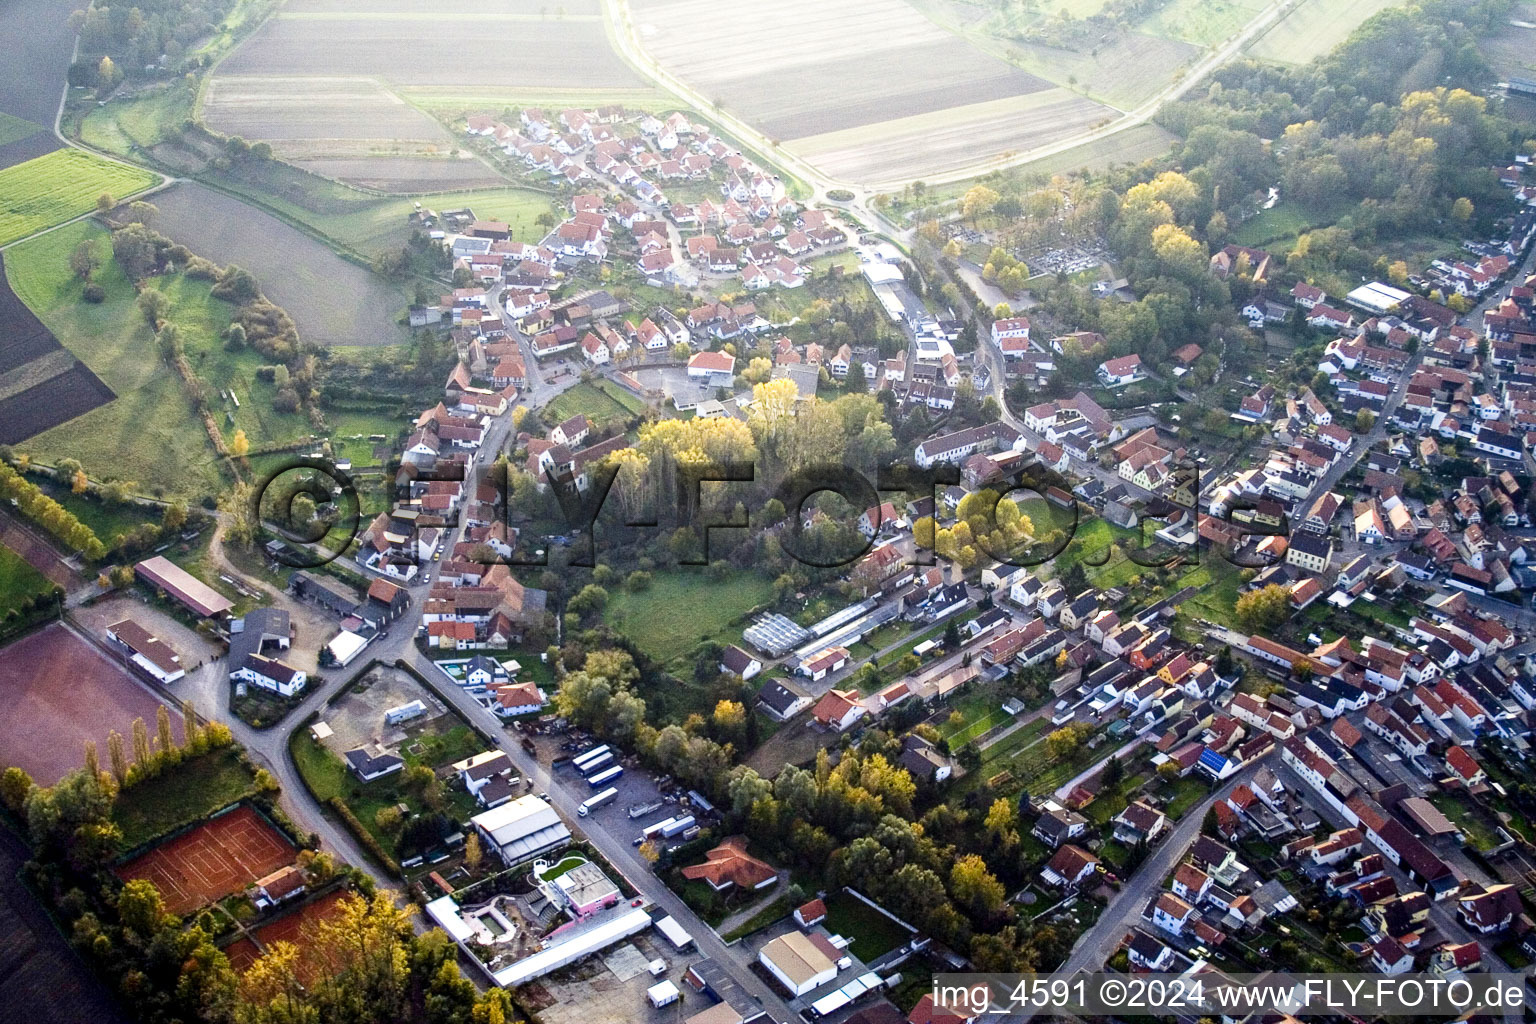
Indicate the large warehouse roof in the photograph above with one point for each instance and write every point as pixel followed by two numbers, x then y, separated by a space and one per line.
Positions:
pixel 184 587
pixel 522 827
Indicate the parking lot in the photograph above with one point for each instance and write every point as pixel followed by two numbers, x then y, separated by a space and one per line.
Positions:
pixel 637 788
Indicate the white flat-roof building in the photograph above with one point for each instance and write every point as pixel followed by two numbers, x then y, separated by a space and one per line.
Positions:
pixel 563 949
pixel 1377 297
pixel 663 994
pixel 345 647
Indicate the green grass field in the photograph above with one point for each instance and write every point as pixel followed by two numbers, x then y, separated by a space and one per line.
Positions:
pixel 181 795
pixel 370 224
pixel 1276 228
pixel 52 188
pixel 148 433
pixel 376 223
pixel 18 580
pixel 1123 72
pixel 1313 28
pixel 682 610
pixel 126 126
pixel 1217 581
pixel 202 319
pixel 599 401
pixel 109 522
pixel 873 933
pixel 1202 22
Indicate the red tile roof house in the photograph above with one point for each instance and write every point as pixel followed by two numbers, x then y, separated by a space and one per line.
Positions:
pixel 811 914
pixel 1464 767
pixel 730 864
pixel 1124 370
pixel 1070 866
pixel 839 709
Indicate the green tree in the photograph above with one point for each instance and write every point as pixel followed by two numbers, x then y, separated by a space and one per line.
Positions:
pixel 15 786
pixel 1263 609
pixel 974 886
pixel 154 306
pixel 140 908
pixel 84 260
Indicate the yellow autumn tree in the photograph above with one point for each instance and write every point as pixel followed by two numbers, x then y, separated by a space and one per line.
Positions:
pixel 773 407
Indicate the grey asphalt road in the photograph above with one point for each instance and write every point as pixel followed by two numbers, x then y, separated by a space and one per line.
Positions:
pixel 1099 942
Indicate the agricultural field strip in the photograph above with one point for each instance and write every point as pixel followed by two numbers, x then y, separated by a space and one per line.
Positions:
pixel 1201 22
pixel 43 368
pixel 1313 28
pixel 409 174
pixel 287 109
pixel 857 62
pixel 452 99
pixel 431 16
pixel 287 47
pixel 571 8
pixel 49 190
pixel 332 301
pixel 932 121
pixel 916 153
pixel 13 129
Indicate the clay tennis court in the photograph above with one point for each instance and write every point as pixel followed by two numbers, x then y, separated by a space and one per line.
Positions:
pixel 213 860
pixel 288 928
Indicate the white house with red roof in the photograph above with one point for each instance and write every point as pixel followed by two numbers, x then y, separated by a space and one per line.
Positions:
pixel 1011 336
pixel 595 350
pixel 1121 370
pixel 839 709
pixel 1464 767
pixel 713 367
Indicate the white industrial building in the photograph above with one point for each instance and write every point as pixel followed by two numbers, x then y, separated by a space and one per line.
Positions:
pixel 1377 298
pixel 564 948
pixel 801 962
pixel 521 829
